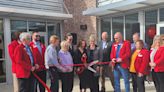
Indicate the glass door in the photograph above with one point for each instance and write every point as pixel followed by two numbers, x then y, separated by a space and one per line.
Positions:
pixel 160 29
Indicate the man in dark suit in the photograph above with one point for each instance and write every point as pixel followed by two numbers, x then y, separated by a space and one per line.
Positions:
pixel 104 56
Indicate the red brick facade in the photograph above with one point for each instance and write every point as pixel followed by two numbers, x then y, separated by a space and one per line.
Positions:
pixel 76 7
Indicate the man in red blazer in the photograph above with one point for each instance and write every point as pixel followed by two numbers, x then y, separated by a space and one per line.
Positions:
pixel 11 49
pixel 120 55
pixel 25 64
pixel 38 51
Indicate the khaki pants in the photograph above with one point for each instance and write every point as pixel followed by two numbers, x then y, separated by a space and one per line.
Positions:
pixel 15 83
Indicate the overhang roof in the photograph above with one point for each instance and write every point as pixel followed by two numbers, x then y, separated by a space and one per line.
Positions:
pixel 120 6
pixel 33 14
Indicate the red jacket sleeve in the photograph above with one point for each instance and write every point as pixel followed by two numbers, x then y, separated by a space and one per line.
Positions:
pixel 112 52
pixel 11 52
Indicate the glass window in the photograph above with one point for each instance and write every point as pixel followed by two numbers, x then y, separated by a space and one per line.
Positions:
pixel 117 25
pixel 18 26
pixel 162 14
pixel 150 21
pixel 37 26
pixel 53 28
pixel 2 54
pixel 106 27
pixel 131 25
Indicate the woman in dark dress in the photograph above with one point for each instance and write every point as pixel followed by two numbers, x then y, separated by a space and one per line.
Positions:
pixel 81 58
pixel 92 52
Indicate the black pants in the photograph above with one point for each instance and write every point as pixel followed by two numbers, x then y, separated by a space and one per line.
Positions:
pixel 95 84
pixel 160 76
pixel 67 81
pixel 138 83
pixel 42 76
pixel 54 77
pixel 141 84
pixel 134 81
pixel 27 84
pixel 155 80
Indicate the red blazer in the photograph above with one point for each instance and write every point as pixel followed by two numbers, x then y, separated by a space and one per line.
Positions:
pixel 159 60
pixel 142 62
pixel 23 63
pixel 39 57
pixel 11 48
pixel 124 53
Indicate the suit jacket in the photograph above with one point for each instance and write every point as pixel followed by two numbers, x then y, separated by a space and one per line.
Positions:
pixel 159 60
pixel 104 54
pixel 124 54
pixel 142 62
pixel 39 57
pixel 11 48
pixel 23 63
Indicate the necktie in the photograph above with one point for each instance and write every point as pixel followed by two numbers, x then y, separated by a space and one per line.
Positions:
pixel 118 51
pixel 30 55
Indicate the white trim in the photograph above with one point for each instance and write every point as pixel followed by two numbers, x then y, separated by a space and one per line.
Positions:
pixel 111 24
pixel 33 13
pixel 124 29
pixel 141 19
pixel 158 27
pixel 7 35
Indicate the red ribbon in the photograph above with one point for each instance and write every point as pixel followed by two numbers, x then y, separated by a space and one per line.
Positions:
pixel 81 65
pixel 42 82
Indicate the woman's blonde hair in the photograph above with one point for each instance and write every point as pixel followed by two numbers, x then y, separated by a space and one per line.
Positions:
pixel 92 38
pixel 156 37
pixel 162 39
pixel 64 45
pixel 54 38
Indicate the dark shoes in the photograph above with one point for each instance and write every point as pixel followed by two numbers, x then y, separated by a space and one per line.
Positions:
pixel 102 89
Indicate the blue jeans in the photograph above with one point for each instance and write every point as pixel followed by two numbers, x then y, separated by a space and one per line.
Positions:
pixel 118 72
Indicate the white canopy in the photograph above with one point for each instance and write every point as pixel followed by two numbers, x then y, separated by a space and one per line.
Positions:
pixel 120 6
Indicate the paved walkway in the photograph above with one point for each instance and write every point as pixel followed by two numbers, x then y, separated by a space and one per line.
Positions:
pixel 149 87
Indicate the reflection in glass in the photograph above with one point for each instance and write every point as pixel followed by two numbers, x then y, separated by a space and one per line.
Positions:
pixel 117 25
pixel 131 25
pixel 53 29
pixel 18 26
pixel 150 21
pixel 106 27
pixel 2 55
pixel 37 26
pixel 162 14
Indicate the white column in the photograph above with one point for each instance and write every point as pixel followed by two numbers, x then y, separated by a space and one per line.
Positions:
pixel 141 20
pixel 7 40
pixel 99 31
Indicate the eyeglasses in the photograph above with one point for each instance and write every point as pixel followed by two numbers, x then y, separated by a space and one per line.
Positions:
pixel 115 38
pixel 29 39
pixel 37 35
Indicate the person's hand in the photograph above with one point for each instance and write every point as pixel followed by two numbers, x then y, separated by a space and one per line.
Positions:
pixel 84 55
pixel 33 68
pixel 78 69
pixel 119 60
pixel 98 69
pixel 36 66
pixel 152 64
pixel 140 74
pixel 114 60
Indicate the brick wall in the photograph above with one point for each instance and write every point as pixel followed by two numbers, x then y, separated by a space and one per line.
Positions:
pixel 76 7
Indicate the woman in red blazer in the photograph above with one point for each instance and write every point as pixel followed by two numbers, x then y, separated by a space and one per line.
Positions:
pixel 159 64
pixel 140 66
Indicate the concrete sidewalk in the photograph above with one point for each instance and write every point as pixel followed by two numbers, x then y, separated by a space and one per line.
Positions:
pixel 149 87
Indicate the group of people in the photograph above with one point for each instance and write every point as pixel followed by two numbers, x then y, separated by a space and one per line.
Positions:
pixel 90 62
